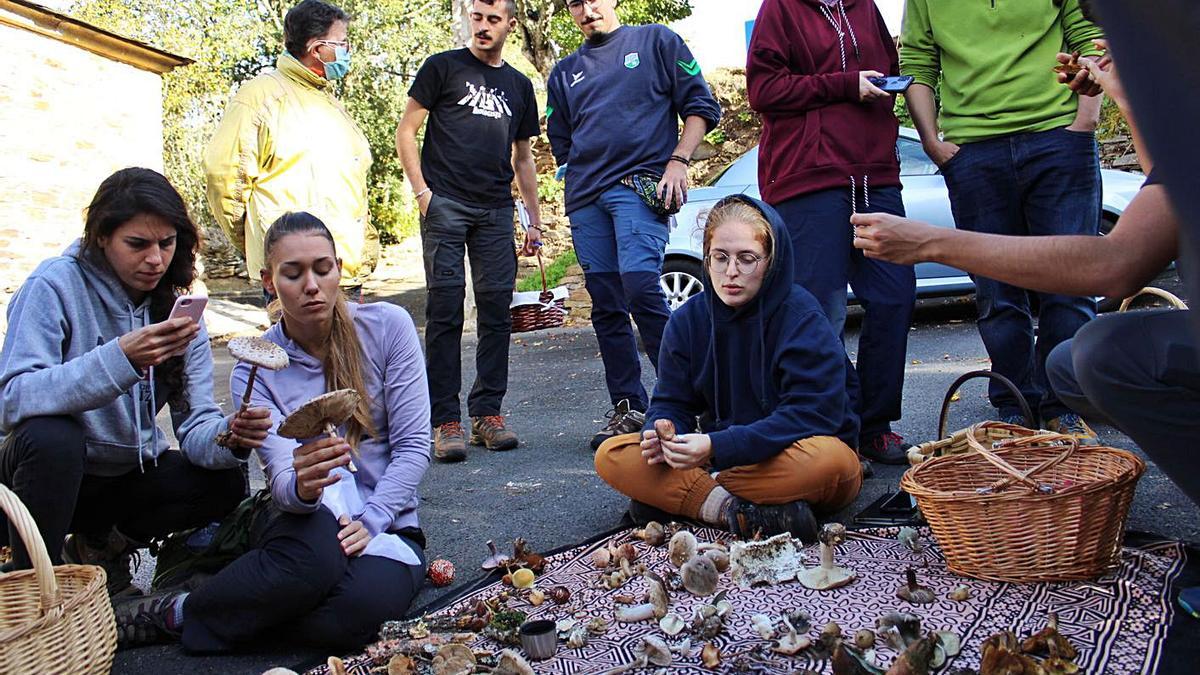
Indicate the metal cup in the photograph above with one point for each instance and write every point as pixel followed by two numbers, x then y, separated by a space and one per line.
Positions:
pixel 539 639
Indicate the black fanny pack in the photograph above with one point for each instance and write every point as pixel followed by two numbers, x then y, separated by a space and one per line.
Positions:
pixel 645 185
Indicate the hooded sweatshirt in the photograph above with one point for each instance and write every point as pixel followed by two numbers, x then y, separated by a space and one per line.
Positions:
pixel 803 77
pixel 761 376
pixel 391 466
pixel 61 357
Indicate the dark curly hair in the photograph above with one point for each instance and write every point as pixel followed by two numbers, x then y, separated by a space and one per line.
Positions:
pixel 122 197
pixel 309 20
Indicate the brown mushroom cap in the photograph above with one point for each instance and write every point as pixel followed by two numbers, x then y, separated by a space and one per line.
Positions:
pixel 309 420
pixel 258 352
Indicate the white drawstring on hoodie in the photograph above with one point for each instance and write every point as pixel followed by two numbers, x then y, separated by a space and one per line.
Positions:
pixel 837 28
pixel 137 405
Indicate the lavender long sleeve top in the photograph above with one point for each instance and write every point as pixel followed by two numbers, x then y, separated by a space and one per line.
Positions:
pixel 390 466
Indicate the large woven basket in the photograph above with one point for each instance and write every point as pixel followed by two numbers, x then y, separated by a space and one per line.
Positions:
pixel 535 311
pixel 52 619
pixel 1038 508
pixel 987 433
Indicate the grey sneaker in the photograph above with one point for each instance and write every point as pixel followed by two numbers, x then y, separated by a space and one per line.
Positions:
pixel 622 419
pixel 148 619
pixel 113 554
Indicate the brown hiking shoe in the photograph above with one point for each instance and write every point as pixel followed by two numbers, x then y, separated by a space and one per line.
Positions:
pixel 449 442
pixel 490 432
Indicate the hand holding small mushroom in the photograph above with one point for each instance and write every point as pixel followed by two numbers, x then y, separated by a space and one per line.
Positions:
pixel 689 451
pixel 249 426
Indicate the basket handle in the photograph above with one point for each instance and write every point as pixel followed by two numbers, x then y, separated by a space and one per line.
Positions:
pixel 944 417
pixel 543 270
pixel 21 519
pixel 1158 292
pixel 1015 475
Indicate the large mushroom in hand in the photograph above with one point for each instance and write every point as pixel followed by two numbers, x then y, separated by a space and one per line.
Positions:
pixel 321 415
pixel 259 353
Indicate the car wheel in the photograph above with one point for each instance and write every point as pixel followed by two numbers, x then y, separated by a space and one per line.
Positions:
pixel 680 280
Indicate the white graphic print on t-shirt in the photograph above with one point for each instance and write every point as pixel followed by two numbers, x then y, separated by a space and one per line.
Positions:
pixel 489 102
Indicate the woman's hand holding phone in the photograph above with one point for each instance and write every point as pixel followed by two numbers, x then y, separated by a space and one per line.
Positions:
pixel 151 345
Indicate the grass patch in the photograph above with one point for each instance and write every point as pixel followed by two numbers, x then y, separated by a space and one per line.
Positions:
pixel 555 271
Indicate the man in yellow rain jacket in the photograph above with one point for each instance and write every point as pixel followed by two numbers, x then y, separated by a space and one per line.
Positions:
pixel 287 144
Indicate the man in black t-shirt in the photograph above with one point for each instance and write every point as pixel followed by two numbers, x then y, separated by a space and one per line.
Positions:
pixel 482 113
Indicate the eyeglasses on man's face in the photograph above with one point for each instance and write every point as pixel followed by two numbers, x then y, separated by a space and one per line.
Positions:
pixel 745 262
pixel 576 6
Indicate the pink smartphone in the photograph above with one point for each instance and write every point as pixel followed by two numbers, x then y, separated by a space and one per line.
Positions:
pixel 191 306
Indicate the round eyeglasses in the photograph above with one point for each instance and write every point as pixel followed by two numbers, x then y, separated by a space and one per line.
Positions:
pixel 745 262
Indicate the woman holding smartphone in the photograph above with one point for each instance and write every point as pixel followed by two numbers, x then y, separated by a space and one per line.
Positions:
pixel 89 359
pixel 334 554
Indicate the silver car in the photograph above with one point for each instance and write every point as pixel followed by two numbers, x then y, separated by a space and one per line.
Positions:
pixel 925 198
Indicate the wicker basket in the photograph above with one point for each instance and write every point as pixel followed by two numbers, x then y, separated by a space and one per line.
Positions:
pixel 535 311
pixel 1039 508
pixel 987 433
pixel 52 619
pixel 1171 299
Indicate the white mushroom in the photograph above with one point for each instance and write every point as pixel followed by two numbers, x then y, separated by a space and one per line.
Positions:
pixel 321 415
pixel 828 575
pixel 682 548
pixel 671 624
pixel 512 663
pixel 258 353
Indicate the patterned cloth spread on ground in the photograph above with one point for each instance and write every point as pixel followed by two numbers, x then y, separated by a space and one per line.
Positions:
pixel 1119 623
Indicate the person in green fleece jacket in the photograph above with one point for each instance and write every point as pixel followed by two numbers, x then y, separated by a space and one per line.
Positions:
pixel 1019 156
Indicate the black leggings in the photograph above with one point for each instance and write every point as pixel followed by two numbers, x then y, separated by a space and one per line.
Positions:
pixel 43 462
pixel 297 582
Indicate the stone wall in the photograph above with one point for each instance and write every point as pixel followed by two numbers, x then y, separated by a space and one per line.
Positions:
pixel 68 119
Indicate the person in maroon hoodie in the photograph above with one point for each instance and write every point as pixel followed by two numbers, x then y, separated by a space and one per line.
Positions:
pixel 828 150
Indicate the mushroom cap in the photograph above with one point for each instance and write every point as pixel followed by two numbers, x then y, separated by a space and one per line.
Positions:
pixel 682 547
pixel 258 352
pixel 700 576
pixel 822 579
pixel 657 652
pixel 309 420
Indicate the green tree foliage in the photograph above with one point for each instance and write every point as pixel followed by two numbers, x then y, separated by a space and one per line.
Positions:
pixel 234 40
pixel 548 33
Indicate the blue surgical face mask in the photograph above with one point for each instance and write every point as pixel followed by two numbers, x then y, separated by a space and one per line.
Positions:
pixel 339 66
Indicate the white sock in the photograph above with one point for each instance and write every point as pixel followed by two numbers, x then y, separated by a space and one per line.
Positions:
pixel 712 511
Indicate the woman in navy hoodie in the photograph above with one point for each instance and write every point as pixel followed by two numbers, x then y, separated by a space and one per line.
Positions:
pixel 755 382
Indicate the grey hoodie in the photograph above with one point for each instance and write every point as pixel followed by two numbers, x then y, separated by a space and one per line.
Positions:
pixel 61 357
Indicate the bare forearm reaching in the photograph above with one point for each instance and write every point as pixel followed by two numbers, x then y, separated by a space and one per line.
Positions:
pixel 1143 242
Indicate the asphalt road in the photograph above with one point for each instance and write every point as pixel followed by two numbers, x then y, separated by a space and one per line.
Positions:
pixel 547 492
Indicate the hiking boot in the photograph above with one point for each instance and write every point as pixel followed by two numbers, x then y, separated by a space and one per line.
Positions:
pixel 1070 424
pixel 886 448
pixel 748 520
pixel 113 554
pixel 449 442
pixel 490 432
pixel 147 620
pixel 622 419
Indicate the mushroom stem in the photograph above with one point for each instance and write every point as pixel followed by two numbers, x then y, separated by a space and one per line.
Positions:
pixel 249 388
pixel 826 556
pixel 332 431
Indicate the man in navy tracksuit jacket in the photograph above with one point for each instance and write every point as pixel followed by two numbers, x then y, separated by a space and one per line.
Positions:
pixel 613 111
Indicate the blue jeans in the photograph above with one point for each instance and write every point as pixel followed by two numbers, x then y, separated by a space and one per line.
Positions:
pixel 1031 184
pixel 825 261
pixel 620 243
